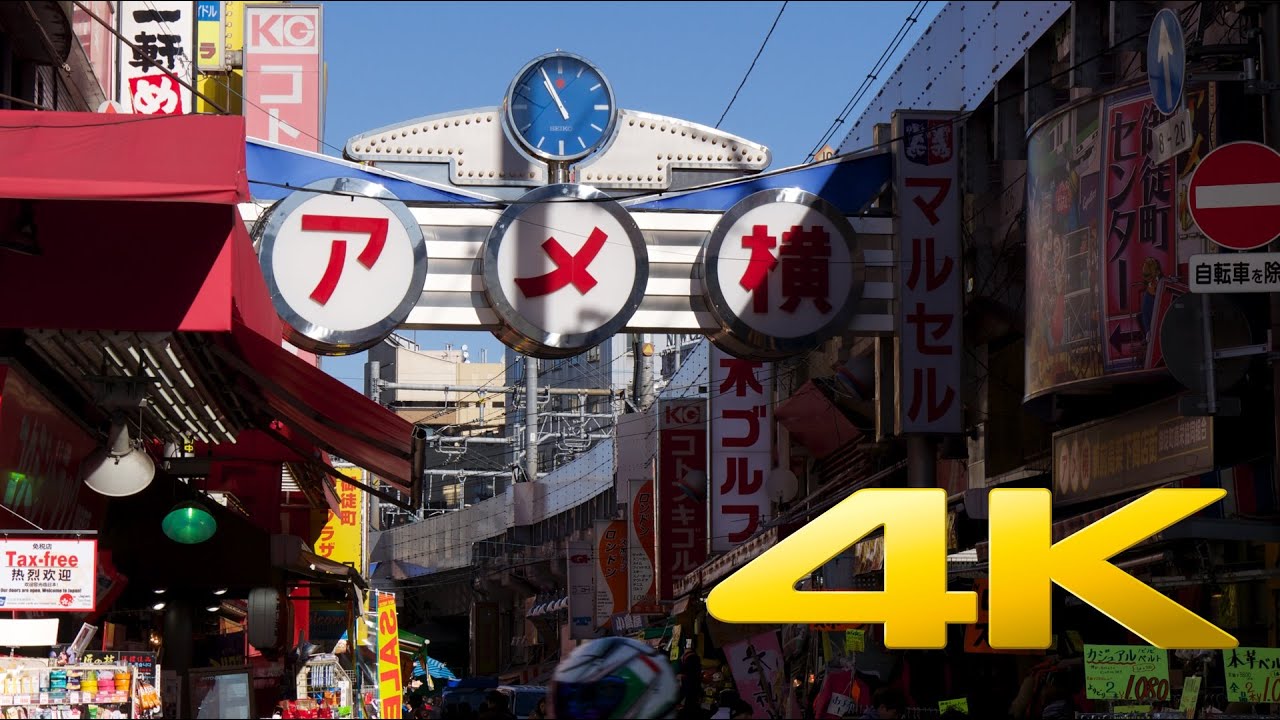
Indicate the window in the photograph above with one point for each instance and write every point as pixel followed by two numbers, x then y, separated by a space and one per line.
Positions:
pixel 593 355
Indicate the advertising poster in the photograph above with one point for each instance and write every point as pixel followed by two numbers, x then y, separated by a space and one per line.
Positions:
pixel 581 579
pixel 611 570
pixel 637 442
pixel 389 689
pixel 682 490
pixel 756 665
pixel 38 575
pixel 1108 236
pixel 741 447
pixel 340 539
pixel 162 34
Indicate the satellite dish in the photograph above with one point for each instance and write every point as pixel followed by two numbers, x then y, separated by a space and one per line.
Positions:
pixel 782 485
pixel 1182 339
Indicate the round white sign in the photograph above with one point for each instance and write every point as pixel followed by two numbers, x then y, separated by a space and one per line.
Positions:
pixel 565 268
pixel 345 263
pixel 783 273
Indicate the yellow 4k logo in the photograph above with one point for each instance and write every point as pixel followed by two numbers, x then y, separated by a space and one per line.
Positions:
pixel 916 606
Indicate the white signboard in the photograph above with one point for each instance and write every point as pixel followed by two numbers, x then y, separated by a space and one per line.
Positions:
pixel 345 262
pixel 637 450
pixel 581 577
pixel 1171 137
pixel 162 35
pixel 930 268
pixel 38 575
pixel 741 447
pixel 1235 273
pixel 565 268
pixel 783 273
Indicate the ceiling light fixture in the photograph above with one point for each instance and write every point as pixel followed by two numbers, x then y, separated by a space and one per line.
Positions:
pixel 189 523
pixel 121 468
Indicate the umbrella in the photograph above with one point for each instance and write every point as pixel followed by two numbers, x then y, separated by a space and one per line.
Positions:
pixel 435 668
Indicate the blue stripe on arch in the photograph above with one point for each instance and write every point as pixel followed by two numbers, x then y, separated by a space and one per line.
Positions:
pixel 850 185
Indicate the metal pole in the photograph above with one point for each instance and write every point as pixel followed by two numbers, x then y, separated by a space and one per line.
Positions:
pixel 557 173
pixel 1271 101
pixel 494 389
pixel 922 462
pixel 644 393
pixel 531 418
pixel 1210 382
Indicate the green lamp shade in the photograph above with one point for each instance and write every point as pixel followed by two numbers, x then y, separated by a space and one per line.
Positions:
pixel 189 523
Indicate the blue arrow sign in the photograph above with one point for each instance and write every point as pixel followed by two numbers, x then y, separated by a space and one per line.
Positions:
pixel 1166 61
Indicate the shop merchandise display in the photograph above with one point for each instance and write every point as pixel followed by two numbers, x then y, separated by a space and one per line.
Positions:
pixel 324 690
pixel 35 689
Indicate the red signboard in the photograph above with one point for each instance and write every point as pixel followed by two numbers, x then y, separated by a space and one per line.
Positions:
pixel 1235 195
pixel 282 83
pixel 1139 237
pixel 682 491
pixel 40 454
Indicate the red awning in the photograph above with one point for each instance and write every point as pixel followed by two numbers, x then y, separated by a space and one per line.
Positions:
pixel 325 411
pixel 148 158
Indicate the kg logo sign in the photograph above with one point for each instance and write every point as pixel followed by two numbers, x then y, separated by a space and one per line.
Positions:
pixel 345 262
pixel 565 268
pixel 284 31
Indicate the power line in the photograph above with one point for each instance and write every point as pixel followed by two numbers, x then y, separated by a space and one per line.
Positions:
pixel 871 77
pixel 753 65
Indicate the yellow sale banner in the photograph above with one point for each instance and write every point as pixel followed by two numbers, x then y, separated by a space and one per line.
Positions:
pixel 389 689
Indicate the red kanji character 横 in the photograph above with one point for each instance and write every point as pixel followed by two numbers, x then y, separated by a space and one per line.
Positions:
pixel 806 267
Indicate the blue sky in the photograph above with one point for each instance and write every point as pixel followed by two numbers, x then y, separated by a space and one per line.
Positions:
pixel 393 61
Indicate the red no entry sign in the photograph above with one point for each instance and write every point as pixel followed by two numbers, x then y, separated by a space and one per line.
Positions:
pixel 1235 195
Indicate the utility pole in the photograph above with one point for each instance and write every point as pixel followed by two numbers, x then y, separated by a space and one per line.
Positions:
pixel 531 418
pixel 642 383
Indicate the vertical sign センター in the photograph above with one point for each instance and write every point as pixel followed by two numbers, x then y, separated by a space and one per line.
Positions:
pixel 930 271
pixel 682 490
pixel 637 442
pixel 283 92
pixel 161 37
pixel 741 447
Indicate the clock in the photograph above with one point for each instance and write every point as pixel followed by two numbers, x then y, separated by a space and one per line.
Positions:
pixel 560 108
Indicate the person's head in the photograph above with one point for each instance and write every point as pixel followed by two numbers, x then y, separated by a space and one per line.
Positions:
pixel 613 677
pixel 889 703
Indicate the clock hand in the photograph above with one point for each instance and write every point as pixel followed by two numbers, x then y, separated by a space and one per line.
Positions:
pixel 551 88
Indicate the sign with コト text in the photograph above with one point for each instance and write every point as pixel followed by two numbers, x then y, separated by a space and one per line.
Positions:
pixel 636 443
pixel 39 575
pixel 611 570
pixel 682 490
pixel 389 686
pixel 741 447
pixel 783 273
pixel 564 268
pixel 340 538
pixel 1126 672
pixel 161 37
pixel 344 261
pixel 581 579
pixel 283 91
pixel 930 271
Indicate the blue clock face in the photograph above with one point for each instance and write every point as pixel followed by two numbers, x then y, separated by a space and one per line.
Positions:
pixel 561 107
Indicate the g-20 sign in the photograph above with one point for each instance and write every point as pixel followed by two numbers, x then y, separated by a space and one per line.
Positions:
pixel 916 606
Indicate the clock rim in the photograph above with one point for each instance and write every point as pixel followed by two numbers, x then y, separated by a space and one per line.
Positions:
pixel 526 147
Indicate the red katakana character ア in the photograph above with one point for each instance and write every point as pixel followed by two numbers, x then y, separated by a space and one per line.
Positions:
pixel 742 374
pixel 806 267
pixel 756 277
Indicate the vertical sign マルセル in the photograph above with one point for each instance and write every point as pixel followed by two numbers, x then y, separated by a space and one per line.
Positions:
pixel 741 447
pixel 930 271
pixel 682 490
pixel 161 46
pixel 283 92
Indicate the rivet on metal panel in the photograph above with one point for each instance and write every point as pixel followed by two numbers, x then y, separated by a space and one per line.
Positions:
pixel 503 173
pixel 459 151
pixel 631 122
pixel 461 161
pixel 477 120
pixel 415 131
pixel 468 121
pixel 436 126
pixel 490 173
pixel 641 123
pixel 530 174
